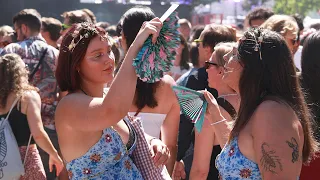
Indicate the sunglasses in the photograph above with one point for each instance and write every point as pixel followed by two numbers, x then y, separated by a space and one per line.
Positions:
pixel 208 63
pixel 65 26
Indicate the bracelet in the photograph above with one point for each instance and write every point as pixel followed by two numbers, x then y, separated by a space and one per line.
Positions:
pixel 218 122
pixel 153 138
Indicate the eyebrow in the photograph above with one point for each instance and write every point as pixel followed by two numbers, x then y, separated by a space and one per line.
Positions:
pixel 96 50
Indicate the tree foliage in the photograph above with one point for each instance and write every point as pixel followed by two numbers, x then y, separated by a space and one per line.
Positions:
pixel 249 4
pixel 295 6
pixel 204 2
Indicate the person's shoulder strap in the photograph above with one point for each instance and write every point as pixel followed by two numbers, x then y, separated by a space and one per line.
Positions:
pixel 227 106
pixel 12 106
pixel 38 65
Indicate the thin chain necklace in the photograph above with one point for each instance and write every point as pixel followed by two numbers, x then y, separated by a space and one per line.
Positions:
pixel 104 93
pixel 226 95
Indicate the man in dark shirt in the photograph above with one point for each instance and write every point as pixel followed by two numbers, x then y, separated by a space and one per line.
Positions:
pixel 197 79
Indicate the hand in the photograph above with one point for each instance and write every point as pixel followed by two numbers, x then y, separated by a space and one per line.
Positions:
pixel 160 152
pixel 178 171
pixel 57 162
pixel 213 107
pixel 148 28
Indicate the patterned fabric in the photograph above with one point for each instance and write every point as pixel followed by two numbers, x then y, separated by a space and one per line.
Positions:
pixel 155 59
pixel 107 159
pixel 142 155
pixel 233 165
pixel 33 165
pixel 31 51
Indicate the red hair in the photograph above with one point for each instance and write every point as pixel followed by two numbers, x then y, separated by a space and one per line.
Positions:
pixel 73 49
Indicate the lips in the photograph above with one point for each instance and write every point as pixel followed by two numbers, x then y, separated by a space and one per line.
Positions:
pixel 109 69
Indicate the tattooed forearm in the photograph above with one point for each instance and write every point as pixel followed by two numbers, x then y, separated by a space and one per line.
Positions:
pixel 295 147
pixel 269 161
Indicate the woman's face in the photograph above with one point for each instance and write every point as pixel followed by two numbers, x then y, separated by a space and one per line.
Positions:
pixel 232 69
pixel 98 63
pixel 215 72
pixel 291 43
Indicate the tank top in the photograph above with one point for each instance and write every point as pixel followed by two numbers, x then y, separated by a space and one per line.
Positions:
pixel 151 122
pixel 19 125
pixel 109 158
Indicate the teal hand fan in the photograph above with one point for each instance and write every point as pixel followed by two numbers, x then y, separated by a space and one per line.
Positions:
pixel 192 104
pixel 154 60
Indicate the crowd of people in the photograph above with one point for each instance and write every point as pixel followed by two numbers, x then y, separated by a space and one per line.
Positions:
pixel 70 86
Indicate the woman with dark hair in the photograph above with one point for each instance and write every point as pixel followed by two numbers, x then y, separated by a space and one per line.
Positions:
pixel 25 117
pixel 95 142
pixel 271 137
pixel 310 76
pixel 181 64
pixel 154 103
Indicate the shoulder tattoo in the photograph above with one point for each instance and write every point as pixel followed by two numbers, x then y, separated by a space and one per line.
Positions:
pixel 293 144
pixel 269 160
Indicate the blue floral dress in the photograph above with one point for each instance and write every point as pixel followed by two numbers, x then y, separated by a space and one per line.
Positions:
pixel 108 159
pixel 233 165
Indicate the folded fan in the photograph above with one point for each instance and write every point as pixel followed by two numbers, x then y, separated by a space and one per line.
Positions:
pixel 154 60
pixel 193 105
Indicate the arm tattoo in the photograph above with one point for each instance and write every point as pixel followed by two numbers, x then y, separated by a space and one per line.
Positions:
pixel 269 161
pixel 295 147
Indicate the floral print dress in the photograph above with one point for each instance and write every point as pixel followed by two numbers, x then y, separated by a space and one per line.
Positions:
pixel 233 165
pixel 108 159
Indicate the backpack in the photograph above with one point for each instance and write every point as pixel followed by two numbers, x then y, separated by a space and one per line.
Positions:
pixel 11 167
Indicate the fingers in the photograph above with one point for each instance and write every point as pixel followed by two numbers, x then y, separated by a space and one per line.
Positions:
pixel 155 26
pixel 50 166
pixel 59 168
pixel 161 156
pixel 206 95
pixel 157 155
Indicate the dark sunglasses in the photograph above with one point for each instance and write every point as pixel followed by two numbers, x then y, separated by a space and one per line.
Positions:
pixel 208 63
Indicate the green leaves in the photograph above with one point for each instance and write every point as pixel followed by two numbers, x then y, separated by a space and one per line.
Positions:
pixel 301 7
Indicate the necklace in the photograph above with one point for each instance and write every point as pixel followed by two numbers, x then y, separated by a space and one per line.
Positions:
pixel 104 93
pixel 83 91
pixel 226 95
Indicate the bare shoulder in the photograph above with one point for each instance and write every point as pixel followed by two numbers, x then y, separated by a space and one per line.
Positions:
pixel 168 81
pixel 273 114
pixel 69 101
pixel 31 96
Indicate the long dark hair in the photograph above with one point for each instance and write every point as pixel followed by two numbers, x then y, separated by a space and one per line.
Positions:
pixel 132 21
pixel 310 74
pixel 72 51
pixel 184 62
pixel 270 70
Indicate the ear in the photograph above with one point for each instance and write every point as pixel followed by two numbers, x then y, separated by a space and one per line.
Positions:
pixel 221 71
pixel 208 51
pixel 24 29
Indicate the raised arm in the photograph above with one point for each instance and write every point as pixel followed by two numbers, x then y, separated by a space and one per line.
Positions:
pixel 277 141
pixel 98 113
